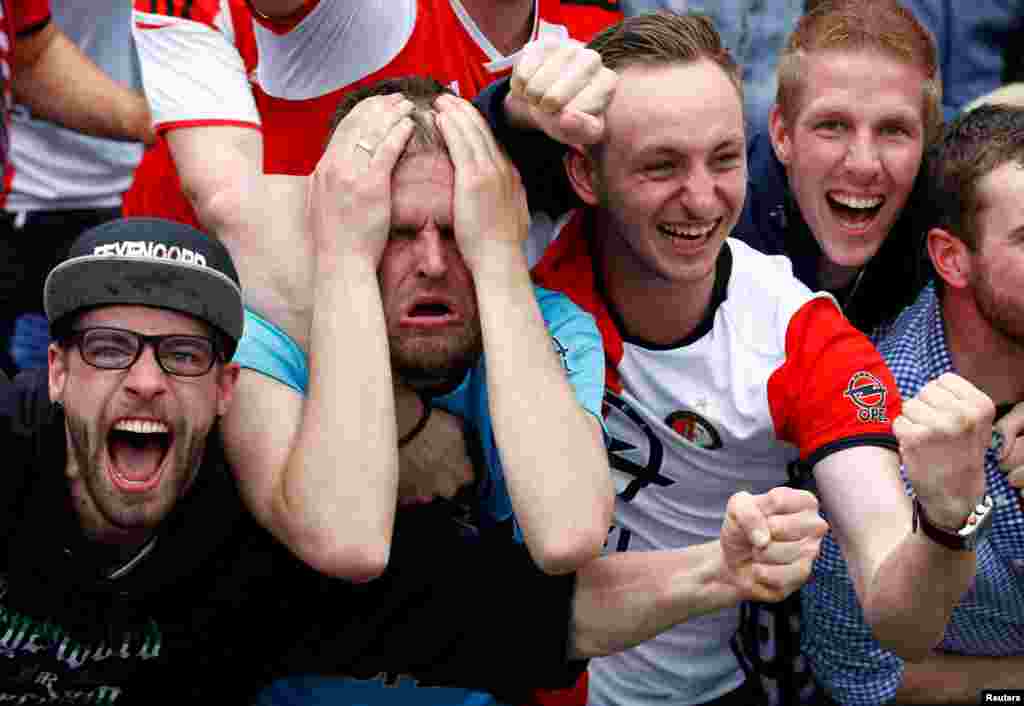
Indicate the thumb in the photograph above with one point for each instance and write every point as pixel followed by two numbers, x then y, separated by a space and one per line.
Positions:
pixel 585 129
pixel 748 517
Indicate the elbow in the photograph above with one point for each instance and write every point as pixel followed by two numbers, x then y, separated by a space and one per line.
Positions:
pixel 572 550
pixel 219 207
pixel 907 648
pixel 568 549
pixel 357 563
pixel 343 553
pixel 912 655
pixel 911 643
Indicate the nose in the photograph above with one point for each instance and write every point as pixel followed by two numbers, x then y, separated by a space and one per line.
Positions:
pixel 433 254
pixel 862 159
pixel 146 378
pixel 698 195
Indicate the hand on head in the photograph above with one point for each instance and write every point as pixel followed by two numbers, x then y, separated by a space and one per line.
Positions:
pixel 349 202
pixel 769 542
pixel 561 88
pixel 943 433
pixel 490 215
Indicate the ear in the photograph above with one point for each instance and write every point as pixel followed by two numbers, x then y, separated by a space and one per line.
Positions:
pixel 227 379
pixel 57 371
pixel 950 257
pixel 779 134
pixel 582 172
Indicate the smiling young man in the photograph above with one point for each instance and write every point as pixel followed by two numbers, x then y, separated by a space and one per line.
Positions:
pixel 725 372
pixel 971 322
pixel 832 181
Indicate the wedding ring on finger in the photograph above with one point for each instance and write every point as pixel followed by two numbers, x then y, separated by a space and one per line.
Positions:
pixel 366 146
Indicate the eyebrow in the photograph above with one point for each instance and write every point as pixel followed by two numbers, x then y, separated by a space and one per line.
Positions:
pixel 734 140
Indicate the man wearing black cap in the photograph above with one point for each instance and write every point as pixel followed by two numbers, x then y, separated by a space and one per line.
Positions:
pixel 131 573
pixel 137 424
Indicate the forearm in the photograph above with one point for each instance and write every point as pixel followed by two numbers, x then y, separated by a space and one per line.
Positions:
pixel 945 678
pixel 61 84
pixel 888 562
pixel 218 166
pixel 260 218
pixel 904 618
pixel 339 487
pixel 554 461
pixel 626 598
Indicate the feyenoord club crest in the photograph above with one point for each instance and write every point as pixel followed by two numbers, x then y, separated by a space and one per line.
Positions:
pixel 868 393
pixel 695 429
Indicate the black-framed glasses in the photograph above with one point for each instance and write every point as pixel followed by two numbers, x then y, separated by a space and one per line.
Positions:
pixel 110 348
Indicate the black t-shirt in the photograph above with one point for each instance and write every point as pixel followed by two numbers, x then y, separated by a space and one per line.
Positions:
pixel 218 608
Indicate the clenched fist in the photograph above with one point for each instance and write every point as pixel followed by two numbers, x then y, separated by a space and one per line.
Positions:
pixel 769 542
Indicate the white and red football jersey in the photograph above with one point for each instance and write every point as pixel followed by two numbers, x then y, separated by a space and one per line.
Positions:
pixel 202 68
pixel 197 56
pixel 775 374
pixel 307 64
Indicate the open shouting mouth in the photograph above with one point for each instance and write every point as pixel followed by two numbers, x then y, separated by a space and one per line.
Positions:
pixel 138 449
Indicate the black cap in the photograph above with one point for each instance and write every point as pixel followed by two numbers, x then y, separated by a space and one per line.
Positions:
pixel 152 262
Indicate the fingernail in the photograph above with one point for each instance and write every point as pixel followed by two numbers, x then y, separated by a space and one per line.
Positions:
pixel 761 537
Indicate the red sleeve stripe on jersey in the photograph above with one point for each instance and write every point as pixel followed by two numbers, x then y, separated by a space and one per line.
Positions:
pixel 833 385
pixel 161 128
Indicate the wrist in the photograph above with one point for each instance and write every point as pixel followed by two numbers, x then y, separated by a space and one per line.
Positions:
pixel 947 515
pixel 517 112
pixel 719 581
pixel 499 262
pixel 965 536
pixel 346 263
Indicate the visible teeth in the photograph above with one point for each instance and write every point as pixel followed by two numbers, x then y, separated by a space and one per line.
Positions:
pixel 690 231
pixel 857 201
pixel 139 426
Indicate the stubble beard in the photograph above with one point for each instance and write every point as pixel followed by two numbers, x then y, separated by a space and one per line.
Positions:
pixel 117 509
pixel 436 366
pixel 998 310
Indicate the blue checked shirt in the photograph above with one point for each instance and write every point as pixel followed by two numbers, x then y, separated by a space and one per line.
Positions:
pixel 989 621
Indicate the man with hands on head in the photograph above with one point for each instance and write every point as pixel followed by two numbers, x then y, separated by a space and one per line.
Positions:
pixel 422 257
pixel 724 364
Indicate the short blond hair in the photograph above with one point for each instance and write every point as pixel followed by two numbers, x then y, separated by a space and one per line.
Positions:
pixel 853 25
